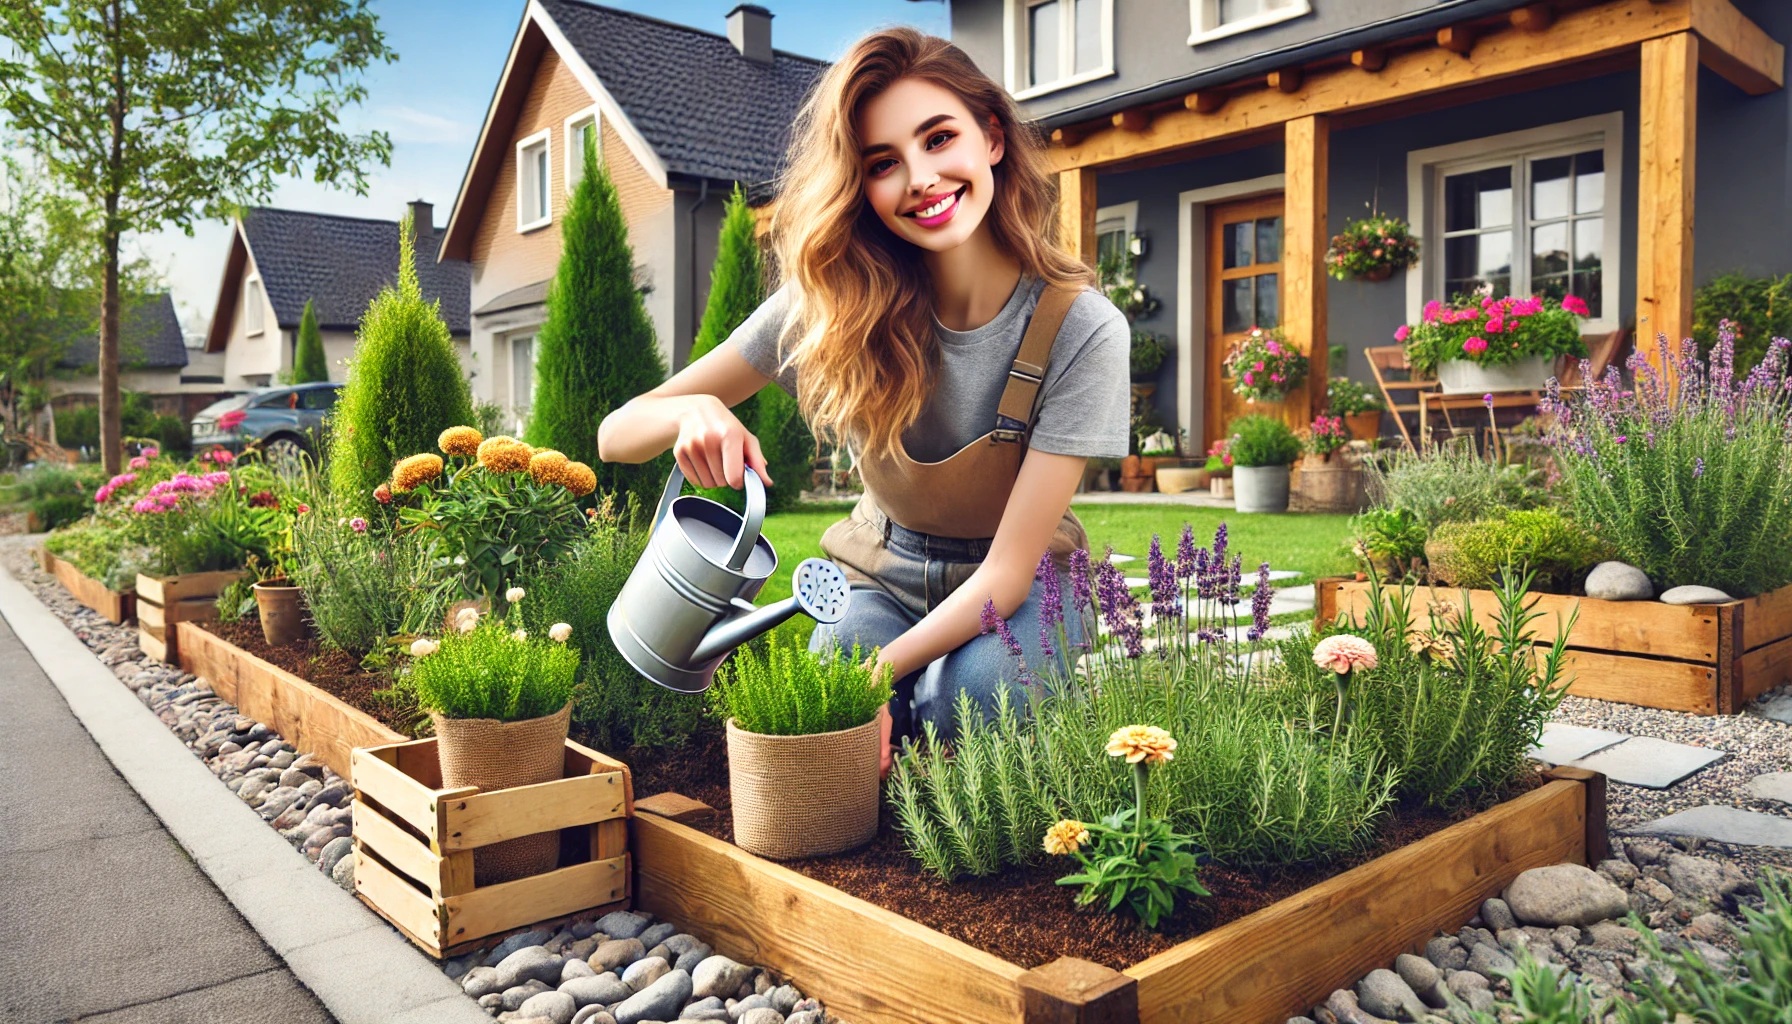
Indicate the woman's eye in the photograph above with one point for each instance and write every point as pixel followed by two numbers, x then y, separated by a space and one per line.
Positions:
pixel 938 135
pixel 880 167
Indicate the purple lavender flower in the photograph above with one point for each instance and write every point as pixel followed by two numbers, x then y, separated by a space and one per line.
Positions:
pixel 1185 554
pixel 1260 599
pixel 1698 467
pixel 1119 609
pixel 1051 602
pixel 1219 543
pixel 993 622
pixel 1487 400
pixel 1163 583
pixel 1079 578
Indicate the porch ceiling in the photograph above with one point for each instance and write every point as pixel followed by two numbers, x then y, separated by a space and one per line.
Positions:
pixel 1537 38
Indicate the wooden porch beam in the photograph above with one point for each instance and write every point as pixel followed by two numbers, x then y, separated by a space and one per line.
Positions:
pixel 1285 80
pixel 1207 101
pixel 1666 147
pixel 1457 39
pixel 1737 48
pixel 1076 212
pixel 1533 17
pixel 1304 235
pixel 1131 120
pixel 1373 59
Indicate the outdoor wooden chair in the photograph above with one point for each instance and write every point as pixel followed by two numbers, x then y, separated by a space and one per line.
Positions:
pixel 1600 354
pixel 1394 376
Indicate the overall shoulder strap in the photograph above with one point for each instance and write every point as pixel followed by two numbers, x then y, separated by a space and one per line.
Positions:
pixel 1020 398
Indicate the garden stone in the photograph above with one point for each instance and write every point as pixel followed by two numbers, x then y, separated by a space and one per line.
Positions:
pixel 1774 786
pixel 514 998
pixel 644 972
pixel 716 1014
pixel 291 818
pixel 1417 972
pixel 309 788
pixel 1649 893
pixel 555 1006
pixel 718 976
pixel 1385 994
pixel 253 787
pixel 763 983
pixel 283 760
pixel 662 952
pixel 1343 1004
pixel 1565 938
pixel 457 968
pixel 622 925
pixel 681 943
pixel 335 850
pixel 688 960
pixel 582 929
pixel 784 999
pixel 658 1001
pixel 1489 960
pixel 343 873
pixel 559 942
pixel 1617 581
pixel 1564 894
pixel 294 777
pixel 528 963
pixel 804 1017
pixel 593 1015
pixel 323 837
pixel 492 1004
pixel 534 937
pixel 1300 1020
pixel 657 934
pixel 1620 871
pixel 1707 927
pixel 277 802
pixel 582 949
pixel 698 1005
pixel 601 989
pixel 1694 594
pixel 481 981
pixel 333 795
pixel 616 954
pixel 1446 953
pixel 1703 879
pixel 1497 914
pixel 761 1015
pixel 575 968
pixel 752 1002
pixel 1462 983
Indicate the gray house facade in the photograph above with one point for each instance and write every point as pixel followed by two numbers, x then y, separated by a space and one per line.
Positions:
pixel 1619 150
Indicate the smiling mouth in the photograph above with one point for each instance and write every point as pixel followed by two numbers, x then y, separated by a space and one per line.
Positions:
pixel 940 207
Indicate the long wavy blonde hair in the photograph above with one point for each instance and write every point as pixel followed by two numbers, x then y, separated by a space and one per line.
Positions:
pixel 860 323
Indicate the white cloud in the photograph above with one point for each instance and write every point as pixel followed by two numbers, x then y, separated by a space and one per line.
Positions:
pixel 408 124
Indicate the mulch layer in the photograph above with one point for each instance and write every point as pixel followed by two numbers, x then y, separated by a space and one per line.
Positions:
pixel 332 671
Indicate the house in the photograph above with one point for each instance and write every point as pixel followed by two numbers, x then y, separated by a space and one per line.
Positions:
pixel 1539 147
pixel 280 258
pixel 679 116
pixel 152 358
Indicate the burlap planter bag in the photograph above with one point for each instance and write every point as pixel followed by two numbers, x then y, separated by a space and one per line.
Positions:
pixel 490 754
pixel 804 796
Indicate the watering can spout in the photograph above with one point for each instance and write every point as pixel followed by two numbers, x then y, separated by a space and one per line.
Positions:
pixel 747 623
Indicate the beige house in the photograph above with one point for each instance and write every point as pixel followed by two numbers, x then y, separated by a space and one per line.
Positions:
pixel 281 258
pixel 152 356
pixel 679 115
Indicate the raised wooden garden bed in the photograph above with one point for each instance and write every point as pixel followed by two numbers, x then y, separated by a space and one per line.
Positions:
pixel 113 605
pixel 163 601
pixel 1259 969
pixel 414 844
pixel 1707 659
pixel 305 716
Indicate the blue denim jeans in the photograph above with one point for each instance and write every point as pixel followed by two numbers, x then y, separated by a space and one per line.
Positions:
pixel 898 577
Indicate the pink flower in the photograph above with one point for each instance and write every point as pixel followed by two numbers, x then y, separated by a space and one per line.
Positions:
pixel 232 419
pixel 1495 324
pixel 1576 305
pixel 1343 653
pixel 1275 349
pixel 145 506
pixel 358 524
pixel 151 452
pixel 303 508
pixel 1258 366
pixel 1275 378
pixel 1475 345
pixel 1249 377
pixel 139 463
pixel 1432 309
pixel 1402 332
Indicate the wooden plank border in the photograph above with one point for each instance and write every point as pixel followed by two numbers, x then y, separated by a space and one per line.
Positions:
pixel 116 606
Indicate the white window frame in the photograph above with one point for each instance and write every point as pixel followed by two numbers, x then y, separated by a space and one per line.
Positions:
pixel 524 407
pixel 255 307
pixel 1125 215
pixel 574 127
pixel 1427 168
pixel 525 181
pixel 1205 25
pixel 1015 48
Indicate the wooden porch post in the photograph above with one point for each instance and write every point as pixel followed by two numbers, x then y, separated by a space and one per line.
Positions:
pixel 1667 146
pixel 1076 211
pixel 1304 238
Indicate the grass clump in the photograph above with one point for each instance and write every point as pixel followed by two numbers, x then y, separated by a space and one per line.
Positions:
pixel 1452 483
pixel 487 667
pixel 785 690
pixel 1557 551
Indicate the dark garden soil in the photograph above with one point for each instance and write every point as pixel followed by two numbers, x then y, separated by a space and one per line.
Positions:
pixel 331 671
pixel 1021 915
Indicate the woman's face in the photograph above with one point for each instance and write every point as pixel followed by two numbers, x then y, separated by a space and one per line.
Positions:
pixel 927 164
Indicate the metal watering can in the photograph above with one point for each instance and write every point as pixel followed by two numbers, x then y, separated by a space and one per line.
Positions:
pixel 689 600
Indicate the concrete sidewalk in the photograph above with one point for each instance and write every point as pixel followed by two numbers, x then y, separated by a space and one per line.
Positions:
pixel 103 917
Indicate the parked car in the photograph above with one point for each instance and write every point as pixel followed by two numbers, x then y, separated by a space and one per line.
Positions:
pixel 286 422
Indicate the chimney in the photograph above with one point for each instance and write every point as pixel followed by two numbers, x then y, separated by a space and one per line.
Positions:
pixel 750 30
pixel 423 218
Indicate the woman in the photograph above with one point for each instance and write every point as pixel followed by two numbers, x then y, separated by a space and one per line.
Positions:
pixel 927 320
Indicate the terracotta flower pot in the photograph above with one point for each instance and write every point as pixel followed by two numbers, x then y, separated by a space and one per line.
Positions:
pixel 490 754
pixel 282 611
pixel 1363 426
pixel 804 796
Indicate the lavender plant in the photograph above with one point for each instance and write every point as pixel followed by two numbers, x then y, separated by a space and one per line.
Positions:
pixel 1689 474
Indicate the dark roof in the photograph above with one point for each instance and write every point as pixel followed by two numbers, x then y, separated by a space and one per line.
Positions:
pixel 341 263
pixel 149 338
pixel 708 111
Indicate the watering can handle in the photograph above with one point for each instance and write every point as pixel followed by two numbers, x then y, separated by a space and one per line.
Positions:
pixel 750 526
pixel 674 484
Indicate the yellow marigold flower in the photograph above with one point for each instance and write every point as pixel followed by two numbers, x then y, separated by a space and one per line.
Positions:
pixel 415 470
pixel 1065 837
pixel 545 466
pixel 578 478
pixel 502 454
pixel 1138 743
pixel 462 441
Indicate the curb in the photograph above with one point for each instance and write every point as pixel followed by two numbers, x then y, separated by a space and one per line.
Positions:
pixel 362 970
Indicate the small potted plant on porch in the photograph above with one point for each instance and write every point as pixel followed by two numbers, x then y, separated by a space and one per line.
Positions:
pixel 1219 469
pixel 1263 367
pixel 1263 448
pixel 1371 248
pixel 804 749
pixel 1359 408
pixel 1330 478
pixel 1479 344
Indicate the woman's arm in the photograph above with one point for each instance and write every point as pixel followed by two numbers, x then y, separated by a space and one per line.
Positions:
pixel 690 414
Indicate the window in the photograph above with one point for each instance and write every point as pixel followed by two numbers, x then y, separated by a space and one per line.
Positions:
pixel 534 179
pixel 1530 213
pixel 318 399
pixel 1217 19
pixel 522 374
pixel 1055 44
pixel 1114 226
pixel 254 307
pixel 581 129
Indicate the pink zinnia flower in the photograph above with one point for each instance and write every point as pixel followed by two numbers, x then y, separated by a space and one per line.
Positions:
pixel 1402 332
pixel 1249 377
pixel 1344 653
pixel 1259 366
pixel 1495 325
pixel 1432 308
pixel 139 463
pixel 1574 304
pixel 151 452
pixel 1475 345
pixel 1275 349
pixel 358 524
pixel 303 508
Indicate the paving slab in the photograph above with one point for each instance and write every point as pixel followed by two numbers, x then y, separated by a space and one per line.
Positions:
pixel 1564 743
pixel 1772 786
pixel 1649 762
pixel 1777 707
pixel 1725 825
pixel 272 996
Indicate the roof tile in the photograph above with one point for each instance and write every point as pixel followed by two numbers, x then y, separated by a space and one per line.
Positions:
pixel 341 263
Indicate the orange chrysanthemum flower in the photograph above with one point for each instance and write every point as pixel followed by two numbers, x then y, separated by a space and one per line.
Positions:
pixel 1138 743
pixel 415 470
pixel 578 478
pixel 545 466
pixel 502 454
pixel 462 441
pixel 1065 837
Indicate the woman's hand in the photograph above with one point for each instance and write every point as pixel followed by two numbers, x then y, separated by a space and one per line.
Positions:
pixel 713 445
pixel 885 725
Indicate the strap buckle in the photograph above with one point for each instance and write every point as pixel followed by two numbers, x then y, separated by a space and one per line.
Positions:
pixel 1008 430
pixel 1020 374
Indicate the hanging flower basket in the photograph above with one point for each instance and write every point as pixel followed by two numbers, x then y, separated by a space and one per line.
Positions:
pixel 1371 249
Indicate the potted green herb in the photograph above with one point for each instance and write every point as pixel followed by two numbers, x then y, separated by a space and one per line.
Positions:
pixel 1262 449
pixel 1371 248
pixel 501 699
pixel 1357 406
pixel 804 749
pixel 1479 344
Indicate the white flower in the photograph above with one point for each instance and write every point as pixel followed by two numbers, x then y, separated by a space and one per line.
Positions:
pixel 513 595
pixel 560 631
pixel 520 635
pixel 466 619
pixel 423 647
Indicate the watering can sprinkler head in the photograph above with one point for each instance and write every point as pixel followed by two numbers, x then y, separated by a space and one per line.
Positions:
pixel 819 590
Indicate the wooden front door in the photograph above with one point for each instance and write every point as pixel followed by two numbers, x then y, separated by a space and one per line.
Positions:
pixel 1244 278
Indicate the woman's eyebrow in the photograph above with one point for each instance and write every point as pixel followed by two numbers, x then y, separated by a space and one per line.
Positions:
pixel 925 125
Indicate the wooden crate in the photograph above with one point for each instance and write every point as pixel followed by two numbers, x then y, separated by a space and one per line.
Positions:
pixel 114 606
pixel 414 844
pixel 310 719
pixel 1260 969
pixel 1706 659
pixel 163 601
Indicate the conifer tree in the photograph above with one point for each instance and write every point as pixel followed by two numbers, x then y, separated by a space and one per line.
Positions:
pixel 308 363
pixel 405 385
pixel 736 288
pixel 597 348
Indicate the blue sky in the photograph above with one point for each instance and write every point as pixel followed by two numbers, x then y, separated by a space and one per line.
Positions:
pixel 432 100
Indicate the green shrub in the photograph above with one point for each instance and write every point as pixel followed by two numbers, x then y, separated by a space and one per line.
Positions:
pixel 102 549
pixel 60 509
pixel 787 691
pixel 1759 307
pixel 1543 542
pixel 1258 440
pixel 308 362
pixel 405 385
pixel 489 671
pixel 79 426
pixel 1452 482
pixel 1345 397
pixel 1390 539
pixel 363 586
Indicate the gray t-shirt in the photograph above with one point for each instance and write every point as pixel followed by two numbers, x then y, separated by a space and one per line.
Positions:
pixel 1085 406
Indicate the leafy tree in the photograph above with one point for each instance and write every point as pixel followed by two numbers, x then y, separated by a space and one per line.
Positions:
pixel 597 349
pixel 308 364
pixel 736 288
pixel 162 112
pixel 405 385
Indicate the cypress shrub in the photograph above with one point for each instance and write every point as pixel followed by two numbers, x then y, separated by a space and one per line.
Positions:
pixel 308 363
pixel 405 385
pixel 597 348
pixel 736 288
